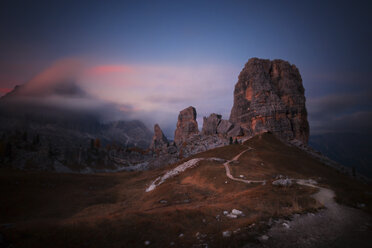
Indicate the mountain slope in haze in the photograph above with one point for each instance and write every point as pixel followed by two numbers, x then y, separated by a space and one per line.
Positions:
pixel 63 128
pixel 348 149
pixel 187 210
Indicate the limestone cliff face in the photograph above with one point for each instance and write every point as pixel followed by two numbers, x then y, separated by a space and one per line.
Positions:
pixel 269 96
pixel 186 125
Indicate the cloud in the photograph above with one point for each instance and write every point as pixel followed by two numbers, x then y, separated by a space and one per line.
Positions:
pixel 60 77
pixel 5 90
pixel 341 113
pixel 156 93
pixel 159 92
pixel 59 87
pixel 109 69
pixel 357 122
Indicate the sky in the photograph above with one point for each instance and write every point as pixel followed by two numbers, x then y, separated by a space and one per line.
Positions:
pixel 154 58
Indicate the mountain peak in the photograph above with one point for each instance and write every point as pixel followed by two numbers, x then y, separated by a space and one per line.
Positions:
pixel 269 96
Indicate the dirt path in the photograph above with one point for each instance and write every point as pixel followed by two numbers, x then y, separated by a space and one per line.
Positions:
pixel 228 172
pixel 335 226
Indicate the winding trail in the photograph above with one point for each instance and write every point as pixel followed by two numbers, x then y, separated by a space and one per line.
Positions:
pixel 228 172
pixel 334 226
pixel 324 196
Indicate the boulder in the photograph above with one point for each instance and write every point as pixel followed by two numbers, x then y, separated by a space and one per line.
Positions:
pixel 224 127
pixel 236 131
pixel 283 182
pixel 269 96
pixel 186 125
pixel 210 124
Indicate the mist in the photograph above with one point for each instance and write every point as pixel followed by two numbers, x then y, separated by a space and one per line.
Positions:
pixel 56 94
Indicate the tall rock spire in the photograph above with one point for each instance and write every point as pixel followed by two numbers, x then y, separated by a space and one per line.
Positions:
pixel 269 96
pixel 186 125
pixel 159 139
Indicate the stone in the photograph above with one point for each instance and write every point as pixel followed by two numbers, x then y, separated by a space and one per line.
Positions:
pixel 236 131
pixel 186 125
pixel 236 212
pixel 269 96
pixel 159 139
pixel 210 124
pixel 283 182
pixel 231 216
pixel 264 238
pixel 171 149
pixel 226 234
pixel 286 225
pixel 224 127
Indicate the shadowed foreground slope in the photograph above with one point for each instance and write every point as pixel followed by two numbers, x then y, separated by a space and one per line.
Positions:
pixel 113 210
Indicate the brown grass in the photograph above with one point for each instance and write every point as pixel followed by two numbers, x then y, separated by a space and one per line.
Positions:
pixel 113 210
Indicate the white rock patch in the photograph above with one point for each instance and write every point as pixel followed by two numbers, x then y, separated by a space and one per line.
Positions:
pixel 226 234
pixel 179 169
pixel 283 182
pixel 235 213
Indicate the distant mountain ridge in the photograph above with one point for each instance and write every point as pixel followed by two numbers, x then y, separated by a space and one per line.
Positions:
pixel 63 127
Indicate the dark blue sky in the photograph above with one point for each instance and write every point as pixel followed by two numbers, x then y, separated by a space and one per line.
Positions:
pixel 329 41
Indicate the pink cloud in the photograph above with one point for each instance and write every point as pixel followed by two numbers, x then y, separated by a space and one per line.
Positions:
pixel 59 73
pixel 109 69
pixel 5 90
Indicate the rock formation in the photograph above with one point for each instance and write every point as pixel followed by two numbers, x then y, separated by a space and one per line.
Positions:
pixel 186 125
pixel 210 124
pixel 224 127
pixel 269 96
pixel 159 140
pixel 236 131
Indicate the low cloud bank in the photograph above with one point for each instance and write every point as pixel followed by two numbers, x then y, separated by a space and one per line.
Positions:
pixel 342 113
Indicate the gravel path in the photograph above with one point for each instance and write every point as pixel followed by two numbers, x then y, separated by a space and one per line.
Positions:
pixel 335 226
pixel 228 172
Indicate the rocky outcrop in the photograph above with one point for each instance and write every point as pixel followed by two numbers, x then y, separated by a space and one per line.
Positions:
pixel 210 124
pixel 224 127
pixel 159 140
pixel 186 125
pixel 214 124
pixel 236 131
pixel 269 96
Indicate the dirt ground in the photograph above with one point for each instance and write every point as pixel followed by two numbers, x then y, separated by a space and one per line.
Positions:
pixel 40 209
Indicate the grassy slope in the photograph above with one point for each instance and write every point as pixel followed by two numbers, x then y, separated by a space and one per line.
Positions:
pixel 113 210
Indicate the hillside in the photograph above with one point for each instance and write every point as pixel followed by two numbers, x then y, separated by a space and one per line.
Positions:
pixel 38 209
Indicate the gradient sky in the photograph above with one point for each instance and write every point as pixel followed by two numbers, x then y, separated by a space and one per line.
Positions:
pixel 158 57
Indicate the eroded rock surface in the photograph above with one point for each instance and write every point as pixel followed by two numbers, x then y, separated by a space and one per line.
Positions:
pixel 224 127
pixel 186 125
pixel 159 140
pixel 210 124
pixel 269 96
